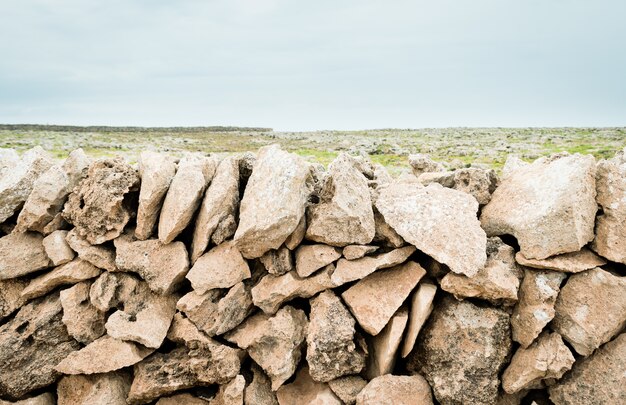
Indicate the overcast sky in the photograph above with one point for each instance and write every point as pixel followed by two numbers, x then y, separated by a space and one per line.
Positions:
pixel 301 65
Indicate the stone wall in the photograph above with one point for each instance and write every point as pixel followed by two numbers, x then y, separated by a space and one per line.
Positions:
pixel 263 279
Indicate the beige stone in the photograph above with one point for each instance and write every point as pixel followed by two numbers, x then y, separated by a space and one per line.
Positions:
pixel 347 388
pixel 21 254
pixel 383 348
pixel 182 399
pixel 112 289
pixel 100 256
pixel 230 393
pixel 11 295
pixel 277 261
pixel 573 262
pixel 397 390
pixel 8 160
pixel 385 234
pixel 296 237
pixel 421 307
pixel 99 389
pixel 259 391
pixel 41 399
pixel 57 249
pixel 351 270
pixel 479 183
pixel 305 390
pixel 83 321
pixel 70 273
pixel 221 267
pixel 353 252
pixel 58 223
pixel 310 258
pixel 422 163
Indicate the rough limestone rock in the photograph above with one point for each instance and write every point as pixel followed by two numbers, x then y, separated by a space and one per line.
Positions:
pixel 100 389
pixel 97 207
pixel 57 223
pixel 397 390
pixel 347 388
pixel 50 192
pixel 305 390
pixel 102 356
pixel 479 183
pixel 230 393
pixel 281 181
pixel 591 309
pixel 163 267
pixel 610 241
pixel 220 205
pixel 497 282
pixel 21 254
pixel 438 221
pixel 461 351
pixel 182 399
pixel 422 163
pixel 277 261
pixel 112 289
pixel 11 296
pixel 383 348
pixel 385 234
pixel 547 358
pixel 156 172
pixel 42 399
pixel 17 182
pixel 296 237
pixel 57 248
pixel 273 291
pixel 573 262
pixel 274 343
pixel 100 256
pixel 221 267
pixel 344 215
pixel 549 206
pixel 70 273
pixel 331 352
pixel 351 270
pixel 8 160
pixel 535 308
pixel 259 391
pixel 598 379
pixel 353 252
pixel 310 258
pixel 194 173
pixel 84 322
pixel 375 299
pixel 31 344
pixel 421 307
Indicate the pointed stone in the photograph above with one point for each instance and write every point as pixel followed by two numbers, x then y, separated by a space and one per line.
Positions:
pixel 57 249
pixel 421 307
pixel 259 391
pixel 310 258
pixel 112 289
pixel 383 348
pixel 351 270
pixel 11 295
pixel 347 388
pixel 221 267
pixel 84 322
pixel 21 254
pixel 102 257
pixel 277 261
pixel 296 237
pixel 100 389
pixel 353 252
pixel 305 390
pixel 397 390
pixel 573 262
pixel 69 273
pixel 230 393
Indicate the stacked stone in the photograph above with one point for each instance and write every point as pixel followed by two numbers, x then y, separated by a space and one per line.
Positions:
pixel 263 279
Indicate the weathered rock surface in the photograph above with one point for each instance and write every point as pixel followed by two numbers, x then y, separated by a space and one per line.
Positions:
pixel 70 273
pixel 375 299
pixel 305 390
pixel 259 391
pixel 421 307
pixel 112 289
pixel 353 252
pixel 422 163
pixel 97 206
pixel 182 399
pixel 17 182
pixel 221 267
pixel 331 352
pixel 281 181
pixel 535 308
pixel 21 254
pixel 156 172
pixel 277 261
pixel 83 321
pixel 57 249
pixel 11 295
pixel 347 388
pixel 31 344
pixel 461 351
pixel 591 309
pixel 230 393
pixel 549 206
pixel 344 215
pixel 102 257
pixel 100 389
pixel 296 237
pixel 183 197
pixel 351 270
pixel 385 234
pixel 573 262
pixel 274 343
pixel 546 358
pixel 310 258
pixel 163 267
pixel 397 390
pixel 479 183
pixel 383 348
pixel 8 159
pixel 598 379
pixel 42 399
pixel 440 222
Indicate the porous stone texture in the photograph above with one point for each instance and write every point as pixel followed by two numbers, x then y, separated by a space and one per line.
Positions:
pixel 296 237
pixel 259 391
pixel 351 270
pixel 305 390
pixel 591 309
pixel 83 321
pixel 99 389
pixel 438 221
pixel 57 248
pixel 21 254
pixel 113 289
pixel 461 351
pixel 70 273
pixel 422 163
pixel 277 261
pixel 385 234
pixel 347 388
pixel 573 262
pixel 383 348
pixel 353 252
pixel 549 206
pixel 310 258
pixel 11 296
pixel 479 183
pixel 221 267
pixel 397 390
pixel 100 256
pixel 98 208
pixel 421 307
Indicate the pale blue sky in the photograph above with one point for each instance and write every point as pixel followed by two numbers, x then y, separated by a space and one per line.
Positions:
pixel 296 65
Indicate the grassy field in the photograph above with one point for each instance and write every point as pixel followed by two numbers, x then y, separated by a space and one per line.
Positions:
pixel 390 147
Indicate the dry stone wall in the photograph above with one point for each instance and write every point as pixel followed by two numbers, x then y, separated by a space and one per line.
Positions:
pixel 262 279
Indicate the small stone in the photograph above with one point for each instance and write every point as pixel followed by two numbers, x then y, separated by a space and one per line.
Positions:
pixel 480 183
pixel 58 223
pixel 11 296
pixel 440 222
pixel 421 307
pixel 274 343
pixel 347 388
pixel 111 289
pixel 163 267
pixel 375 299
pixel 461 351
pixel 296 237
pixel 70 273
pixel 385 234
pixel 383 348
pixel 156 172
pixel 591 309
pixel 351 270
pixel 344 215
pixel 422 163
pixel 573 262
pixel 100 389
pixel 42 399
pixel 305 390
pixel 353 252
pixel 98 207
pixel 21 254
pixel 84 322
pixel 397 390
pixel 102 257
pixel 182 399
pixel 310 258
pixel 259 391
pixel 549 206
pixel 281 181
pixel 277 261
pixel 194 173
pixel 598 379
pixel 535 308
pixel 546 358
pixel 102 356
pixel 57 249
pixel 331 352
pixel 221 267
pixel 230 393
